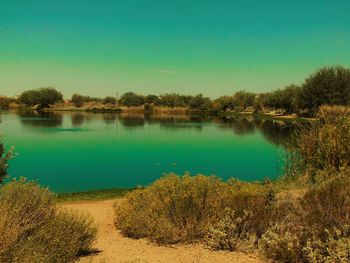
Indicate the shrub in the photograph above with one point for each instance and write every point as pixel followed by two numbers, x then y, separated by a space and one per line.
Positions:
pixel 4 158
pixel 335 247
pixel 32 229
pixel 233 233
pixel 316 229
pixel 325 143
pixel 283 242
pixel 109 100
pixel 173 209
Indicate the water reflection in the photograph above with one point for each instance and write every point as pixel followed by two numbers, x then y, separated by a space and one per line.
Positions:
pixel 276 132
pixel 35 119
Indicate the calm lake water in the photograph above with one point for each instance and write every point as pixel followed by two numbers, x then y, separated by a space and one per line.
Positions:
pixel 84 151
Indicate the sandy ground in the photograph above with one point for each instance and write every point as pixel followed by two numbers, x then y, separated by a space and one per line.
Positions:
pixel 112 247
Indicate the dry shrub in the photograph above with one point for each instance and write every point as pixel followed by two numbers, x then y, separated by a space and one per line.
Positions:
pixel 32 229
pixel 328 205
pixel 233 233
pixel 174 208
pixel 325 143
pixel 316 229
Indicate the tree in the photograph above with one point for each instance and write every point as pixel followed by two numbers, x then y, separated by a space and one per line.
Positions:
pixel 243 99
pixel 43 97
pixel 286 99
pixel 223 103
pixel 109 100
pixel 329 85
pixel 152 99
pixel 132 99
pixel 200 103
pixel 78 100
pixel 4 158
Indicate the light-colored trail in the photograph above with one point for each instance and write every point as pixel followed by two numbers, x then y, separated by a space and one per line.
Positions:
pixel 113 247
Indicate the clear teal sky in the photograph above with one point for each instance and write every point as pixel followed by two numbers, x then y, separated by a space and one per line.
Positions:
pixel 185 46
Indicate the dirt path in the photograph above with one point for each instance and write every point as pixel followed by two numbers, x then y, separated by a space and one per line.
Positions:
pixel 114 247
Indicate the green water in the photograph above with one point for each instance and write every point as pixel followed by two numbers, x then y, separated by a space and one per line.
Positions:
pixel 83 151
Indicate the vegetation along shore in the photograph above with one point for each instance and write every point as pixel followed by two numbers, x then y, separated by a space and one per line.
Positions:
pixel 301 217
pixel 327 86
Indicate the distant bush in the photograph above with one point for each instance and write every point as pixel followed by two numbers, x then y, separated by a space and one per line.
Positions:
pixel 173 209
pixel 42 97
pixel 32 229
pixel 109 100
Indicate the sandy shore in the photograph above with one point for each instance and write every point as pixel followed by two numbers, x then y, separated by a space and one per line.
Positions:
pixel 112 247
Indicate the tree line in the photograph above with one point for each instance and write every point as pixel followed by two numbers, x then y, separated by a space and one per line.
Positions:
pixel 328 85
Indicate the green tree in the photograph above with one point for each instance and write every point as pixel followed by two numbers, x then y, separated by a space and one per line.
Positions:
pixel 200 103
pixel 286 99
pixel 78 100
pixel 43 97
pixel 243 99
pixel 132 99
pixel 329 85
pixel 224 103
pixel 152 99
pixel 109 100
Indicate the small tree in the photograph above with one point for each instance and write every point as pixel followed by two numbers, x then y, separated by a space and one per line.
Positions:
pixel 78 100
pixel 42 97
pixel 132 99
pixel 109 100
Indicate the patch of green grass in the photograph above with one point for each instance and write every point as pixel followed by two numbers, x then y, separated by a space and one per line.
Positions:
pixel 93 195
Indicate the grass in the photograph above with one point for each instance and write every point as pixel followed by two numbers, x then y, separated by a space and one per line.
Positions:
pixel 93 195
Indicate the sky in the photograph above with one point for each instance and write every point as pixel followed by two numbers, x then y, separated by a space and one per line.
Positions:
pixel 215 48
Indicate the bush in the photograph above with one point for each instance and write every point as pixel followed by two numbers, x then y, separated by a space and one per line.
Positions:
pixel 32 229
pixel 173 209
pixel 109 100
pixel 325 143
pixel 233 233
pixel 4 158
pixel 316 229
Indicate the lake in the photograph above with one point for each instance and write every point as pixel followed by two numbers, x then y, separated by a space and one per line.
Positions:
pixel 84 151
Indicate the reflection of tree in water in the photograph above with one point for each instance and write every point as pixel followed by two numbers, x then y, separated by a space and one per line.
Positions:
pixel 279 133
pixel 77 119
pixel 276 132
pixel 40 119
pixel 239 124
pixel 131 121
pixel 183 122
pixel 109 118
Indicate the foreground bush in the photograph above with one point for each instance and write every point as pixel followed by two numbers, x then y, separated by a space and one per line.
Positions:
pixel 32 229
pixel 174 208
pixel 318 228
pixel 325 143
pixel 4 159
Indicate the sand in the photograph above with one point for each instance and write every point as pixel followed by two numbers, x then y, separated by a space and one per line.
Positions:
pixel 111 246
